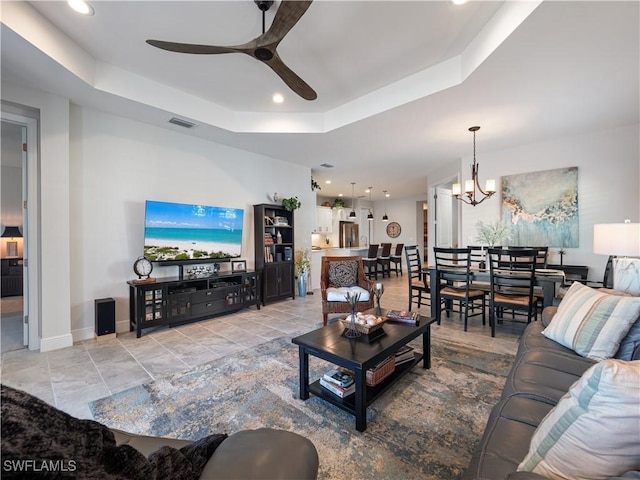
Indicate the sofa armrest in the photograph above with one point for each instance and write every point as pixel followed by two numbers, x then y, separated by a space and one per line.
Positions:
pixel 263 453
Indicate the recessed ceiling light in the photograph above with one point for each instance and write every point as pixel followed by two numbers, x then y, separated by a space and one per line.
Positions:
pixel 459 2
pixel 327 182
pixel 278 98
pixel 340 195
pixel 81 6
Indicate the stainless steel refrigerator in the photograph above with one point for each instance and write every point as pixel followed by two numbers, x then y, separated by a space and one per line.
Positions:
pixel 349 235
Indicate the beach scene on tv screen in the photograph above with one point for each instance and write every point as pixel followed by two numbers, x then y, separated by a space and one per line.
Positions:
pixel 175 231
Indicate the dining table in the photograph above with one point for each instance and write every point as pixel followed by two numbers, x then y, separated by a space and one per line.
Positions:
pixel 545 278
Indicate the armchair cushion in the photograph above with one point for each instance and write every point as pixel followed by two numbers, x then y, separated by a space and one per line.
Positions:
pixel 343 273
pixel 338 294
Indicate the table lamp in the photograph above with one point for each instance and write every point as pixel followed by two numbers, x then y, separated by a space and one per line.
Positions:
pixel 621 240
pixel 12 246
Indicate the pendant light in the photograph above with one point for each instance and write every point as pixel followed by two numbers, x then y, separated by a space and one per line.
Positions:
pixel 352 214
pixel 470 186
pixel 370 216
pixel 385 217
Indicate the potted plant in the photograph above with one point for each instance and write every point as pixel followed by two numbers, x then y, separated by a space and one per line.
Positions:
pixel 302 267
pixel 492 234
pixel 338 203
pixel 290 204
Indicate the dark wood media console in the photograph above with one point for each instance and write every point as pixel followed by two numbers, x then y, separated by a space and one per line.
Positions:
pixel 175 301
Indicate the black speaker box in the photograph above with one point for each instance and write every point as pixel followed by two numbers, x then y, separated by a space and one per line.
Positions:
pixel 105 316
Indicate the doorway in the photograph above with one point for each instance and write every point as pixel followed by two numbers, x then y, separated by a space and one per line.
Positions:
pixel 19 179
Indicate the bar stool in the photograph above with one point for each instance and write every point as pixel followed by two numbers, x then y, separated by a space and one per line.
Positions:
pixel 396 258
pixel 384 259
pixel 370 262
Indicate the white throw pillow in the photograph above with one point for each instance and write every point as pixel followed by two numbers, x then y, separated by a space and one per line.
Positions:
pixel 592 323
pixel 594 431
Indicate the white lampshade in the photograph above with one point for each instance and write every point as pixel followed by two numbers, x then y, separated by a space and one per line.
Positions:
pixel 620 239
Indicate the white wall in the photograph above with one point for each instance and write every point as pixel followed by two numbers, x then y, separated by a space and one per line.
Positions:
pixel 96 172
pixel 402 211
pixel 52 213
pixel 118 163
pixel 608 184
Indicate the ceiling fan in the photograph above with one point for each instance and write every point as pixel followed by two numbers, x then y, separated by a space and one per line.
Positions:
pixel 263 47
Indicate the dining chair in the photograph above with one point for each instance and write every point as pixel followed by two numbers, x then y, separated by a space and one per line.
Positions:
pixel 453 268
pixel 396 258
pixel 542 254
pixel 370 262
pixel 513 276
pixel 339 275
pixel 384 259
pixel 419 291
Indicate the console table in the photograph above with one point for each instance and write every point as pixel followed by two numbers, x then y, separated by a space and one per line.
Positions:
pixel 175 301
pixel 573 272
pixel 11 275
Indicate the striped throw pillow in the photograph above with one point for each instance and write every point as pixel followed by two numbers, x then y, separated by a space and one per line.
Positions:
pixel 592 323
pixel 593 431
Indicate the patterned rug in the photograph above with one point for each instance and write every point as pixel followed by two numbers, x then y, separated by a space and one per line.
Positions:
pixel 426 426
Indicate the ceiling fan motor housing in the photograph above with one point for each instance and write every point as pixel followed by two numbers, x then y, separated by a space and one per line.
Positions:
pixel 263 5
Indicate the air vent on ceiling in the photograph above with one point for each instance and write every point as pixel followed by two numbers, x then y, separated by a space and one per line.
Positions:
pixel 326 165
pixel 182 123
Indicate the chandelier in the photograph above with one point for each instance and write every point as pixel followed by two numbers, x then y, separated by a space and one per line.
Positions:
pixel 471 187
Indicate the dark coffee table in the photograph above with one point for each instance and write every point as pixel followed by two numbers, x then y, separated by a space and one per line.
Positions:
pixel 359 355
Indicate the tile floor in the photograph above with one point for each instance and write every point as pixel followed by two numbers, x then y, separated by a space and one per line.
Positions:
pixel 69 378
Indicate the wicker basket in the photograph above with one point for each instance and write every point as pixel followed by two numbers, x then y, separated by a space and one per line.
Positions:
pixel 366 329
pixel 381 371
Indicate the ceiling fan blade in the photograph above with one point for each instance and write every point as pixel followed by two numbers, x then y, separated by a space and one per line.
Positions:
pixel 191 48
pixel 287 75
pixel 287 15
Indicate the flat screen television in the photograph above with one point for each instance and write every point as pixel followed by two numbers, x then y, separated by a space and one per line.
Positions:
pixel 177 233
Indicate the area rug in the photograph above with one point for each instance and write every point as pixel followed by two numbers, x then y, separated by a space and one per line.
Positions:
pixel 426 426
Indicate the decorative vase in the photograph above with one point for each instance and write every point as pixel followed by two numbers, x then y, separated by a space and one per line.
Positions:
pixel 352 331
pixel 378 291
pixel 302 285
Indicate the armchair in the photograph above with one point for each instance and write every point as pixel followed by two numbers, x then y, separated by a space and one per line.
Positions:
pixel 338 276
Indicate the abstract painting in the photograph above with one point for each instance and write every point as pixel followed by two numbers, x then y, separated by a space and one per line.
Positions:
pixel 542 207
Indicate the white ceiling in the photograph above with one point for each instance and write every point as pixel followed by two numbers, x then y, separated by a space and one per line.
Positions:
pixel 398 83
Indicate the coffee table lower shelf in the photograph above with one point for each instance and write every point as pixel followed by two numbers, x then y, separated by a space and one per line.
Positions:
pixel 348 403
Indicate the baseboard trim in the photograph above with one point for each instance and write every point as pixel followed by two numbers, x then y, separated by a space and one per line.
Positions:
pixel 82 334
pixel 55 343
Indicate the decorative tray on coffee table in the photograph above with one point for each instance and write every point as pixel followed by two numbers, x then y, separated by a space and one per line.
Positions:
pixel 364 328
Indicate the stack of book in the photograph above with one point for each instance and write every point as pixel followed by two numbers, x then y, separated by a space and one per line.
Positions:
pixel 268 239
pixel 405 354
pixel 406 318
pixel 338 382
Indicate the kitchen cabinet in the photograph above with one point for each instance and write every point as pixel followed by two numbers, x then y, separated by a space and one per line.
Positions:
pixel 324 220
